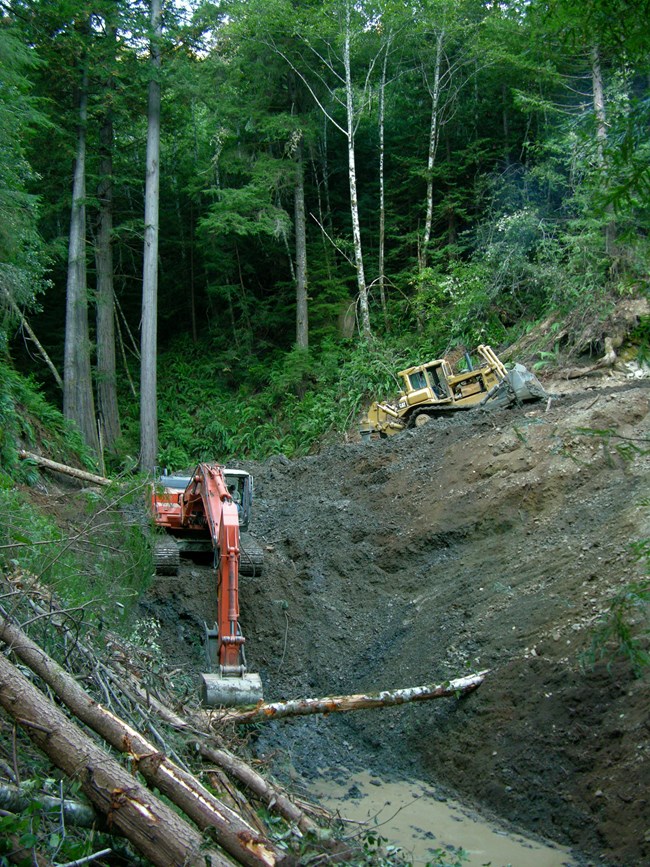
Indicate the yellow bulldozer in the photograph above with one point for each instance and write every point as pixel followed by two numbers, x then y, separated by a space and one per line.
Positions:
pixel 432 390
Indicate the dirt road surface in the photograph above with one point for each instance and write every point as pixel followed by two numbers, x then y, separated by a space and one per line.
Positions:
pixel 492 541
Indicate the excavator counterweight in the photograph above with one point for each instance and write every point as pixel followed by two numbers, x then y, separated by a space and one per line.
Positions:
pixel 194 510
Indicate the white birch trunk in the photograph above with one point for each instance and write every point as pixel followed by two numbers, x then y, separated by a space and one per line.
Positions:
pixel 434 135
pixel 601 141
pixel 382 187
pixel 352 172
pixel 265 712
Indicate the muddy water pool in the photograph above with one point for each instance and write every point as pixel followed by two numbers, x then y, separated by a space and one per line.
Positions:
pixel 420 821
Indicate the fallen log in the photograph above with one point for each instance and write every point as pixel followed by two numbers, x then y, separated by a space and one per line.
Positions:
pixel 64 468
pixel 606 362
pixel 16 799
pixel 156 831
pixel 266 711
pixel 270 794
pixel 236 836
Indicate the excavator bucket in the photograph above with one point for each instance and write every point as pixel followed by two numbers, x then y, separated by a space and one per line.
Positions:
pixel 224 687
pixel 220 691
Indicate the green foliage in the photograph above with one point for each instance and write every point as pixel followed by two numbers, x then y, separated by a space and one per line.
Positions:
pixel 28 419
pixel 99 567
pixel 640 338
pixel 40 829
pixel 458 306
pixel 624 631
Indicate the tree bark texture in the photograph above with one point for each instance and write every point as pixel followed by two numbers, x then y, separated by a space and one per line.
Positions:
pixel 153 828
pixel 63 468
pixel 337 704
pixel 148 361
pixel 229 829
pixel 78 400
pixel 302 312
pixel 106 367
pixel 352 173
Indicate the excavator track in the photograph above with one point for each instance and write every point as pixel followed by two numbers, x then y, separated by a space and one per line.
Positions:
pixel 251 556
pixel 166 556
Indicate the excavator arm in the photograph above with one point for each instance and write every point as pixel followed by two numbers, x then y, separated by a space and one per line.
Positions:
pixel 206 505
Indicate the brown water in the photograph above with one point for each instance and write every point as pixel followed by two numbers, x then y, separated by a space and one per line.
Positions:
pixel 408 814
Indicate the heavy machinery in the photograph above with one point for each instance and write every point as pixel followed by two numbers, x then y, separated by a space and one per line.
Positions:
pixel 433 389
pixel 207 510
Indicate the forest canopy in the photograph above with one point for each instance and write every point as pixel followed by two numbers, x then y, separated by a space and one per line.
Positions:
pixel 245 216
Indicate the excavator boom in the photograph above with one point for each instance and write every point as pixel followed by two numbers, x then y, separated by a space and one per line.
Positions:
pixel 206 507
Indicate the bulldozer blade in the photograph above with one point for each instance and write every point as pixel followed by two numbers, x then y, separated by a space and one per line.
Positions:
pixel 220 691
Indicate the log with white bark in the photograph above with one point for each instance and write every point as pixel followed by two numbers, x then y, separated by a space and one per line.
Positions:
pixel 64 468
pixel 236 836
pixel 155 830
pixel 266 711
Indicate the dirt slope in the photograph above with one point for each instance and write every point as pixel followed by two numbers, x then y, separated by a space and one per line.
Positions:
pixel 483 541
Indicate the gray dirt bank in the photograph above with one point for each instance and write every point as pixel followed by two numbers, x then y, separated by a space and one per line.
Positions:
pixel 483 541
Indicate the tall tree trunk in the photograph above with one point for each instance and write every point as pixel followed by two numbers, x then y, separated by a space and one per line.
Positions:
pixel 434 135
pixel 302 312
pixel 106 367
pixel 78 400
pixel 601 142
pixel 148 367
pixel 382 184
pixel 352 172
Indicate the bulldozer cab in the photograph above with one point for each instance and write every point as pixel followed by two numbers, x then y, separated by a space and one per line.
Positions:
pixel 426 383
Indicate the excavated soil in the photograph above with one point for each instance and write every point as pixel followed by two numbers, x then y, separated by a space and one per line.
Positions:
pixel 483 541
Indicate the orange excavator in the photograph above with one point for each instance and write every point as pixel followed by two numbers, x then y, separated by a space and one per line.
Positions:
pixel 197 509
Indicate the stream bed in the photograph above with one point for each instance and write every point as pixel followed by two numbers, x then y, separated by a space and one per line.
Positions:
pixel 413 816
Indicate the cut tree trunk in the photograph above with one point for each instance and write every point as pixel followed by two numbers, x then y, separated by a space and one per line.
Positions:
pixel 153 828
pixel 64 468
pixel 15 800
pixel 367 701
pixel 270 794
pixel 229 829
